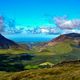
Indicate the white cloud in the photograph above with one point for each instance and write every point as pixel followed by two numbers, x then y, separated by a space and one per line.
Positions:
pixel 63 23
pixel 70 31
pixel 44 30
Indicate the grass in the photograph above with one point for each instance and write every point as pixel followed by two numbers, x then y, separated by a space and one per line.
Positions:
pixel 12 51
pixel 60 48
pixel 66 71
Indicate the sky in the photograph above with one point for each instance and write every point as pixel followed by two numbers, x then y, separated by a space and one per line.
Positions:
pixel 39 12
pixel 64 14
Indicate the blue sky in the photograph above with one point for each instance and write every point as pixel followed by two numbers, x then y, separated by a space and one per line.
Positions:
pixel 39 12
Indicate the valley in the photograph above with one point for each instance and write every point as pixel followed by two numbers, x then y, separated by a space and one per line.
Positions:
pixel 55 59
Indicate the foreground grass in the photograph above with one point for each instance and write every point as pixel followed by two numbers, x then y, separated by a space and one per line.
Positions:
pixel 66 71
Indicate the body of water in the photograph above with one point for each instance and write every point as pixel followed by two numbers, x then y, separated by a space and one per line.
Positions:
pixel 27 38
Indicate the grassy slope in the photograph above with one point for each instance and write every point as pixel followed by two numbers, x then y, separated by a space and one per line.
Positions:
pixel 66 71
pixel 63 51
pixel 60 48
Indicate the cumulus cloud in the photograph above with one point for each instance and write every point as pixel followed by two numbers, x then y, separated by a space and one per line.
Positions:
pixel 64 23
